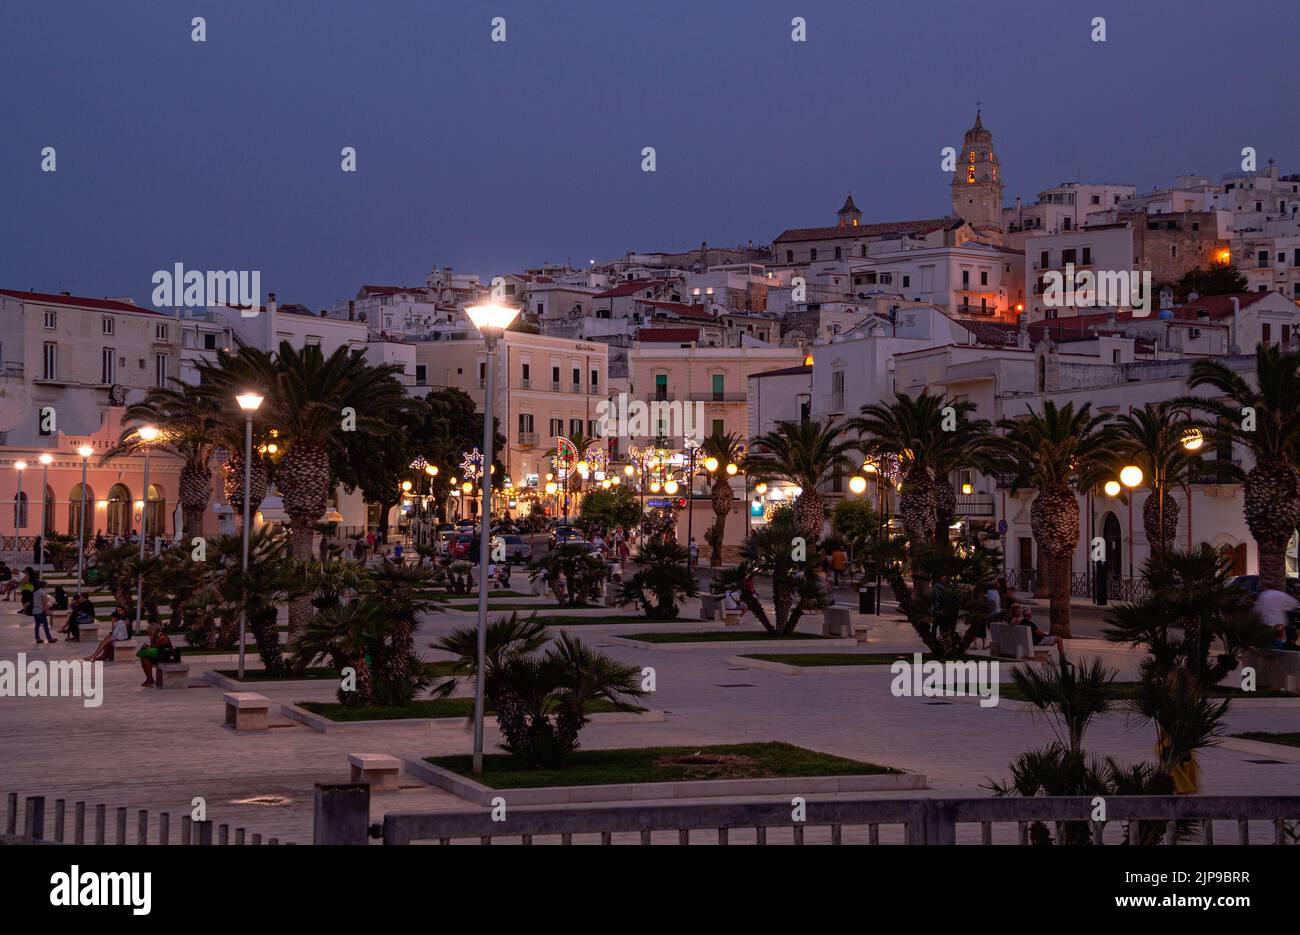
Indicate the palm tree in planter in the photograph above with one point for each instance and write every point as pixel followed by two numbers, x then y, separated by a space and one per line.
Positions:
pixel 792 567
pixel 1152 438
pixel 1058 451
pixel 727 448
pixel 1265 420
pixel 805 454
pixel 273 579
pixel 541 698
pixel 406 592
pixel 662 582
pixel 582 573
pixel 1190 610
pixel 192 428
pixel 221 380
pixel 950 617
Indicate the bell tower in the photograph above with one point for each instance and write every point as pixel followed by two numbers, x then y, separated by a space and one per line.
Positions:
pixel 977 181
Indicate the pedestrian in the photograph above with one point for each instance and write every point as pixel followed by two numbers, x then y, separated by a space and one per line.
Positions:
pixel 42 606
pixel 694 552
pixel 8 584
pixel 839 563
pixel 1273 607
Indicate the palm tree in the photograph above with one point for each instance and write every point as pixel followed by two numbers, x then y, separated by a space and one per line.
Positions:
pixel 1152 438
pixel 1057 451
pixel 1265 420
pixel 663 581
pixel 192 429
pixel 540 698
pixel 728 448
pixel 805 454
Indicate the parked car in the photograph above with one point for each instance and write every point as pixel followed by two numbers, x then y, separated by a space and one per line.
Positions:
pixel 461 545
pixel 517 550
pixel 562 534
pixel 443 542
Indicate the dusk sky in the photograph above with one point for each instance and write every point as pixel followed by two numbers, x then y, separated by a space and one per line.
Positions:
pixel 489 156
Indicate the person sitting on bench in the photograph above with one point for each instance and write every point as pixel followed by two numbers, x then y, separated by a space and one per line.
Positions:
pixel 119 632
pixel 150 652
pixel 83 614
pixel 1039 637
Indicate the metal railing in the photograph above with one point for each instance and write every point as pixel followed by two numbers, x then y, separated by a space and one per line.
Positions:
pixel 710 397
pixel 342 816
pixel 69 826
pixel 528 438
pixel 974 504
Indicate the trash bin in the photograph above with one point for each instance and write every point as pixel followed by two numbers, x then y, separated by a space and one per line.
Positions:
pixel 867 599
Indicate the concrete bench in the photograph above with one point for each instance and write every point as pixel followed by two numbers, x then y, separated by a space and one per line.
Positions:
pixel 172 675
pixel 93 632
pixel 1015 642
pixel 710 606
pixel 1275 669
pixel 247 710
pixel 837 621
pixel 378 770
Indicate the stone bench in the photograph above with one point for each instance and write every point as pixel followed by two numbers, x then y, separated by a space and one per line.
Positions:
pixel 1010 641
pixel 247 710
pixel 837 621
pixel 378 770
pixel 710 606
pixel 1275 669
pixel 172 674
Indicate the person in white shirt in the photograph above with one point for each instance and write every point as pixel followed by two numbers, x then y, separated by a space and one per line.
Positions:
pixel 1273 606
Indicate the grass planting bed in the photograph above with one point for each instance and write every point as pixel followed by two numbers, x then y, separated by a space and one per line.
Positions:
pixel 1127 690
pixel 722 636
pixel 771 760
pixel 1263 736
pixel 808 660
pixel 420 708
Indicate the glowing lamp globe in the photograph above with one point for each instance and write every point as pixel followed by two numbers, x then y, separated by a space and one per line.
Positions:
pixel 1192 439
pixel 491 318
pixel 710 464
pixel 1130 476
pixel 670 488
pixel 857 483
pixel 1112 488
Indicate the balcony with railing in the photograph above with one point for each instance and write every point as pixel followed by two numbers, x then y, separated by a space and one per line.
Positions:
pixel 527 439
pixel 708 396
pixel 974 504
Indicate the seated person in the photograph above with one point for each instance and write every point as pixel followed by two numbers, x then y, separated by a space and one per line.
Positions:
pixel 119 632
pixel 83 614
pixel 150 651
pixel 503 577
pixel 1040 638
pixel 60 598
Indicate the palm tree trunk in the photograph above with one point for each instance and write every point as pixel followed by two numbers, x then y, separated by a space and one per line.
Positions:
pixel 300 609
pixel 1272 565
pixel 1060 569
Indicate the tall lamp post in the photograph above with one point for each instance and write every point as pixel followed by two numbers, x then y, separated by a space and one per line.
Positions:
pixel 45 460
pixel 491 321
pixel 20 520
pixel 85 451
pixel 249 403
pixel 147 435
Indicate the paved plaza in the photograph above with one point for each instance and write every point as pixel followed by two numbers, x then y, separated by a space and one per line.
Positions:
pixel 145 748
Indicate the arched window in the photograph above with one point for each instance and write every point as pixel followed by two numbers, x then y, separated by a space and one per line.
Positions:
pixel 156 512
pixel 47 517
pixel 81 495
pixel 20 512
pixel 119 511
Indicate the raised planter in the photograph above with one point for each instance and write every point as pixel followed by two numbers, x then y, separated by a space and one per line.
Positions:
pixel 324 725
pixel 795 643
pixel 480 794
pixel 1276 751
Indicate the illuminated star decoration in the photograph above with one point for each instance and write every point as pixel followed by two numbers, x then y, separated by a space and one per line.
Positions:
pixel 471 464
pixel 596 457
pixel 419 464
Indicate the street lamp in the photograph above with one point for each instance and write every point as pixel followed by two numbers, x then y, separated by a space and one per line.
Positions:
pixel 249 403
pixel 19 519
pixel 147 434
pixel 1130 476
pixel 491 320
pixel 857 484
pixel 1192 440
pixel 1112 488
pixel 85 451
pixel 45 484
